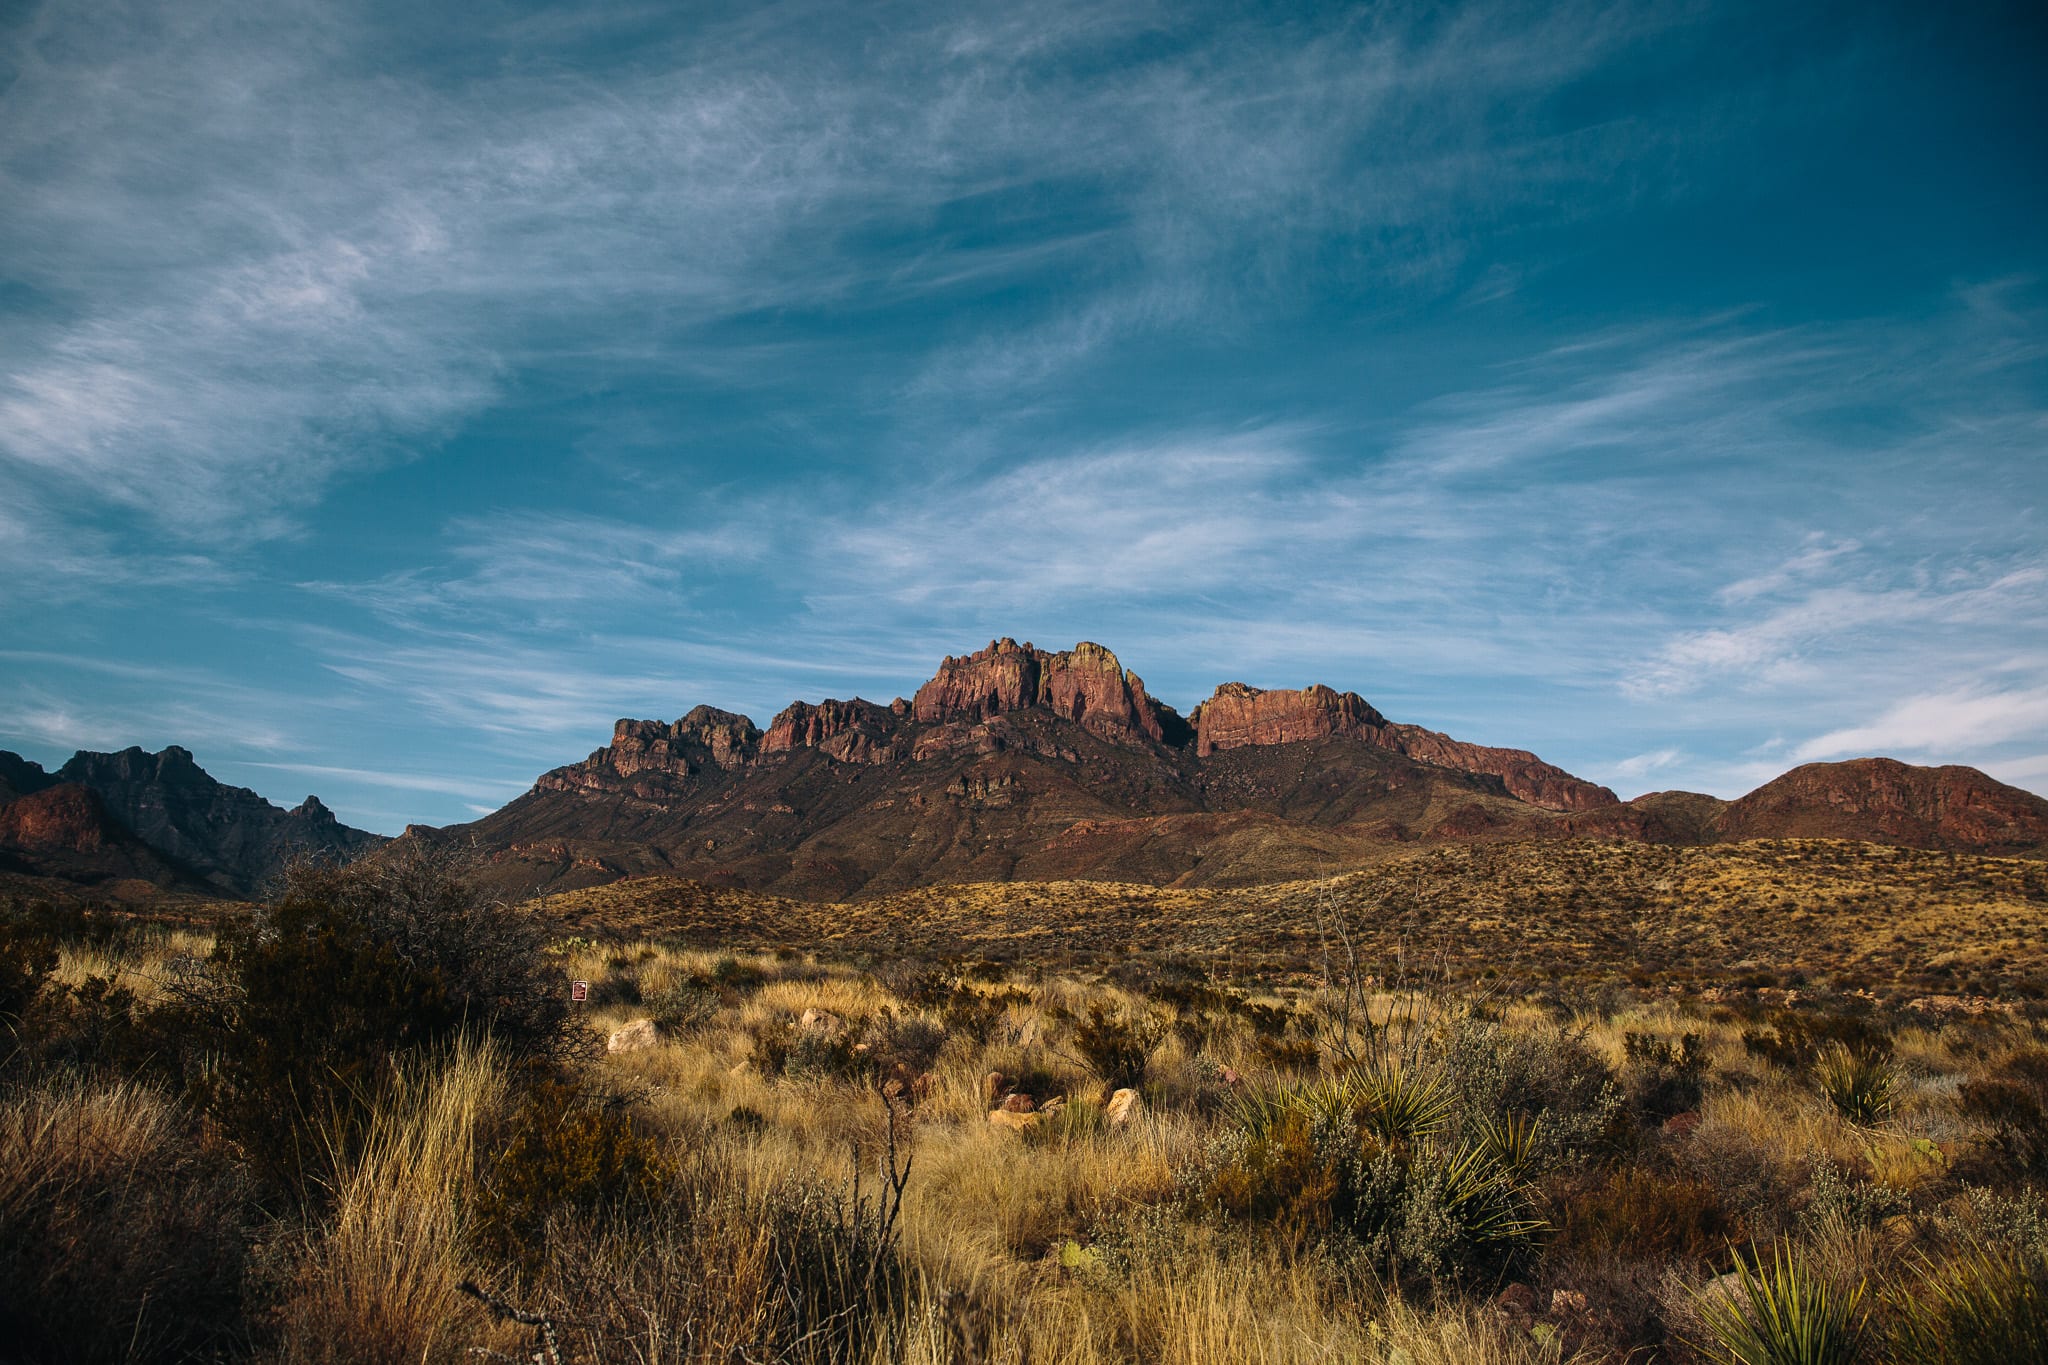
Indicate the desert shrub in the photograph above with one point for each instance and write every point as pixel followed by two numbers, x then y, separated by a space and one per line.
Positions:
pixel 1283 1173
pixel 685 1005
pixel 735 975
pixel 1302 1161
pixel 28 954
pixel 1784 1314
pixel 1640 1214
pixel 976 1014
pixel 1794 1041
pixel 1664 1076
pixel 1861 1086
pixel 2012 1101
pixel 1116 1044
pixel 823 1054
pixel 121 1232
pixel 618 986
pixel 910 1041
pixel 564 1154
pixel 1986 1306
pixel 1287 1052
pixel 1839 1204
pixel 347 972
pixel 1496 1073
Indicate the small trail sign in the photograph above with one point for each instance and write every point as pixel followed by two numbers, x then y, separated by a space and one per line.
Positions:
pixel 579 991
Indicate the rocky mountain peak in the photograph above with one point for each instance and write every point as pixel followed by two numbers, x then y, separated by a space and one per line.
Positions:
pixel 1086 684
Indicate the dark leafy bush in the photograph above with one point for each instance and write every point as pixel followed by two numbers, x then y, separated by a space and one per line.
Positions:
pixel 346 972
pixel 28 954
pixel 735 975
pixel 1793 1041
pixel 1664 1076
pixel 564 1154
pixel 1117 1044
pixel 2012 1101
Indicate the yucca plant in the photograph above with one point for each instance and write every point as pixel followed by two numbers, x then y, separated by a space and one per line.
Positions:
pixel 1861 1085
pixel 1397 1104
pixel 1984 1307
pixel 1511 1142
pixel 1786 1314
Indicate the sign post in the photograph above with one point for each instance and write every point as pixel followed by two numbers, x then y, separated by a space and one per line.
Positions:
pixel 579 991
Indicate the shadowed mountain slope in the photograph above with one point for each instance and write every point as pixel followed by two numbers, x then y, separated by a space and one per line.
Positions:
pixel 1019 764
pixel 160 818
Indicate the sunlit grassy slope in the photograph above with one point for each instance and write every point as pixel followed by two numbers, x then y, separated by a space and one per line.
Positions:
pixel 1898 917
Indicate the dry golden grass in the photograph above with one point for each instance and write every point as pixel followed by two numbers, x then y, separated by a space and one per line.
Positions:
pixel 1092 1247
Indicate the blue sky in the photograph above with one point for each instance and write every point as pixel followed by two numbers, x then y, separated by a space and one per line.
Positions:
pixel 393 395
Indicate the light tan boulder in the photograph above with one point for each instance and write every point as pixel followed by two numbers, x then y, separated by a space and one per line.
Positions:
pixel 1123 1106
pixel 634 1037
pixel 1015 1122
pixel 826 1022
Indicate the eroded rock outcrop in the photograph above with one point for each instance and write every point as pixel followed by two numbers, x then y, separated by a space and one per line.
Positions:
pixel 854 731
pixel 1085 684
pixel 1885 801
pixel 1238 716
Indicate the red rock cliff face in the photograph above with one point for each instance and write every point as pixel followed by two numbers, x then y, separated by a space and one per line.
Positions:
pixel 1239 715
pixel 1085 684
pixel 706 738
pixel 67 817
pixel 851 731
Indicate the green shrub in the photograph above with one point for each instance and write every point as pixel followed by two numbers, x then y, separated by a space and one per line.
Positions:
pixel 735 975
pixel 1987 1306
pixel 685 1005
pixel 1862 1087
pixel 1787 1314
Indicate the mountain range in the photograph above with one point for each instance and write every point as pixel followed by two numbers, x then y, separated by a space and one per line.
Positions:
pixel 1010 763
pixel 158 819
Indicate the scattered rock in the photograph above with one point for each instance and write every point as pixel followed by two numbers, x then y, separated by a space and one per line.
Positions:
pixel 1016 1102
pixel 1566 1302
pixel 1231 1078
pixel 1004 1118
pixel 1517 1303
pixel 993 1087
pixel 634 1037
pixel 821 1021
pixel 1123 1106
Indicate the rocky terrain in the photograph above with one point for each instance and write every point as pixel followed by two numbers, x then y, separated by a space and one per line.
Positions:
pixel 158 819
pixel 1021 764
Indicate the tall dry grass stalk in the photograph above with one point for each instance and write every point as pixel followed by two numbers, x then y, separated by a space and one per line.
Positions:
pixel 379 1281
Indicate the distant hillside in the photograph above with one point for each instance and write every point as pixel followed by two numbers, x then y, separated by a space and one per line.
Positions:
pixel 1020 764
pixel 159 818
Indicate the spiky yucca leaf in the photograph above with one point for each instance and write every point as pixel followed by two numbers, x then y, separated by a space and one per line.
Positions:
pixel 1511 1142
pixel 1862 1086
pixel 1397 1104
pixel 1785 1314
